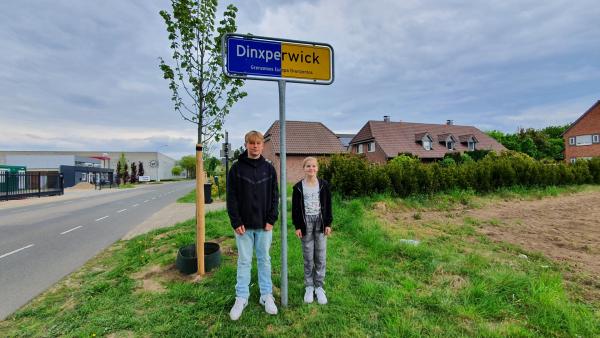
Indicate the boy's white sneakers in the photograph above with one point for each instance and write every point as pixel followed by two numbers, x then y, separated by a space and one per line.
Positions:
pixel 238 308
pixel 309 295
pixel 321 298
pixel 269 302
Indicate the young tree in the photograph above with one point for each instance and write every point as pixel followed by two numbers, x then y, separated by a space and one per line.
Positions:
pixel 188 163
pixel 134 174
pixel 118 173
pixel 201 93
pixel 210 164
pixel 238 152
pixel 140 168
pixel 176 171
pixel 123 170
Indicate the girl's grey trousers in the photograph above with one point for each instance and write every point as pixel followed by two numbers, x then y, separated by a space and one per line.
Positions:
pixel 314 250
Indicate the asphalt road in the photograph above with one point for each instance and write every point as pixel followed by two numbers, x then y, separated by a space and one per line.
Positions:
pixel 40 244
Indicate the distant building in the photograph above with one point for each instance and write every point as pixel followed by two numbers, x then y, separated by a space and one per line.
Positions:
pixel 88 166
pixel 303 138
pixel 381 141
pixel 582 139
pixel 345 139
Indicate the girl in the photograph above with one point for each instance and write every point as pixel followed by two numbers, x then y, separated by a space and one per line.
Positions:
pixel 311 215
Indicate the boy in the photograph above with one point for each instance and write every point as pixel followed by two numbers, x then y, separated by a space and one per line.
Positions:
pixel 252 202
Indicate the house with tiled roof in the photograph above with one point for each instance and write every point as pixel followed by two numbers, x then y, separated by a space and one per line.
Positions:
pixel 303 138
pixel 381 141
pixel 582 138
pixel 345 139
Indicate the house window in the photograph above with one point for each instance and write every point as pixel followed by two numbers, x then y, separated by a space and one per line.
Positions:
pixel 450 144
pixel 471 145
pixel 596 139
pixel 583 140
pixel 371 147
pixel 572 141
pixel 573 160
pixel 359 148
pixel 427 143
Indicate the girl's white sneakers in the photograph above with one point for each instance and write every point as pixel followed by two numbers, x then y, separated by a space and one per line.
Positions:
pixel 321 298
pixel 309 295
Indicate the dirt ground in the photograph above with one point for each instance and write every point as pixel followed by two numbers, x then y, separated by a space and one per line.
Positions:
pixel 565 229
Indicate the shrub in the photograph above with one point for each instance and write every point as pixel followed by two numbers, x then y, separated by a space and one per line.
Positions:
pixel 477 155
pixel 594 167
pixel 448 161
pixel 403 176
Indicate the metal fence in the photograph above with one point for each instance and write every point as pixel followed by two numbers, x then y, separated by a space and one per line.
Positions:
pixel 27 184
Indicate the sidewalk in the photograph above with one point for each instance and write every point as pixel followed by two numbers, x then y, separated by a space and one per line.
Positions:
pixel 169 215
pixel 68 195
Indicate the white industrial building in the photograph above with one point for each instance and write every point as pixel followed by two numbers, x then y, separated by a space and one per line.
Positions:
pixel 156 165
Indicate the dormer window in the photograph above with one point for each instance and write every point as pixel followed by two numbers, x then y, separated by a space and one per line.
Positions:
pixel 448 140
pixel 469 140
pixel 427 142
pixel 471 145
pixel 425 139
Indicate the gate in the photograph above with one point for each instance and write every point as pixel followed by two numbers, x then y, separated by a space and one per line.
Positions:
pixel 27 184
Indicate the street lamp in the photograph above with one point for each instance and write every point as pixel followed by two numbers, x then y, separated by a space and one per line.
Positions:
pixel 157 163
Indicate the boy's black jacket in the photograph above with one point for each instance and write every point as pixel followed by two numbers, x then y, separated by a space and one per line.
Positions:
pixel 298 206
pixel 252 194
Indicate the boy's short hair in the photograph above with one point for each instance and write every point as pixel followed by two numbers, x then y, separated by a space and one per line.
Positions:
pixel 253 136
pixel 309 158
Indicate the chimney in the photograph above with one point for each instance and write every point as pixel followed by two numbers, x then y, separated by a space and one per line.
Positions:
pixel 449 122
pixel 386 118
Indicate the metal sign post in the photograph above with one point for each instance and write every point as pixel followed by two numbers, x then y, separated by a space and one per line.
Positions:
pixel 283 188
pixel 253 57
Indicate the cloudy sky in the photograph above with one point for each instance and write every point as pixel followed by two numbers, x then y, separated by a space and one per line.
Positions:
pixel 83 75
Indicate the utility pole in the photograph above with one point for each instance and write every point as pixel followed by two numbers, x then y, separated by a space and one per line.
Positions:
pixel 226 155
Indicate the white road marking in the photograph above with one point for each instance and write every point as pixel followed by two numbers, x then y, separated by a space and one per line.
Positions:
pixel 75 228
pixel 153 198
pixel 146 201
pixel 120 211
pixel 101 218
pixel 15 251
pixel 135 205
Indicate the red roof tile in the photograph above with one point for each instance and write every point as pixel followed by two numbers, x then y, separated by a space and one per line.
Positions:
pixel 303 137
pixel 403 137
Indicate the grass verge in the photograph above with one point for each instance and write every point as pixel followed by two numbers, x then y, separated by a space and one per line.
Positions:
pixel 455 283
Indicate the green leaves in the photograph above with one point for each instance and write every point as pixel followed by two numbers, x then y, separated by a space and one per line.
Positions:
pixel 201 93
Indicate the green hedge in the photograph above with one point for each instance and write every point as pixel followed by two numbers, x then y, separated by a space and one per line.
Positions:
pixel 353 175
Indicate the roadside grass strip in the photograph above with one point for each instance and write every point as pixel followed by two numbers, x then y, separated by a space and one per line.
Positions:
pixel 455 283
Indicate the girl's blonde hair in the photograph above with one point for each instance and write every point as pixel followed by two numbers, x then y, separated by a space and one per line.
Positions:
pixel 309 158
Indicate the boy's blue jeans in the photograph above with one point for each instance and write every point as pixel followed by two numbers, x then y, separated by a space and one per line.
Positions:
pixel 259 240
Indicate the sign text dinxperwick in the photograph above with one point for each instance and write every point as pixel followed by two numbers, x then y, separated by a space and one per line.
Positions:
pixel 267 55
pixel 268 58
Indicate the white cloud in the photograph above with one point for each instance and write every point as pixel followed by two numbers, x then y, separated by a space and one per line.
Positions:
pixel 88 71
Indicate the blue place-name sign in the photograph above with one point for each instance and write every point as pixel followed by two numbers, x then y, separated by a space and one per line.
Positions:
pixel 252 57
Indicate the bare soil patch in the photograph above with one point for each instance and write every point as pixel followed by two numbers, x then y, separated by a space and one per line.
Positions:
pixel 564 228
